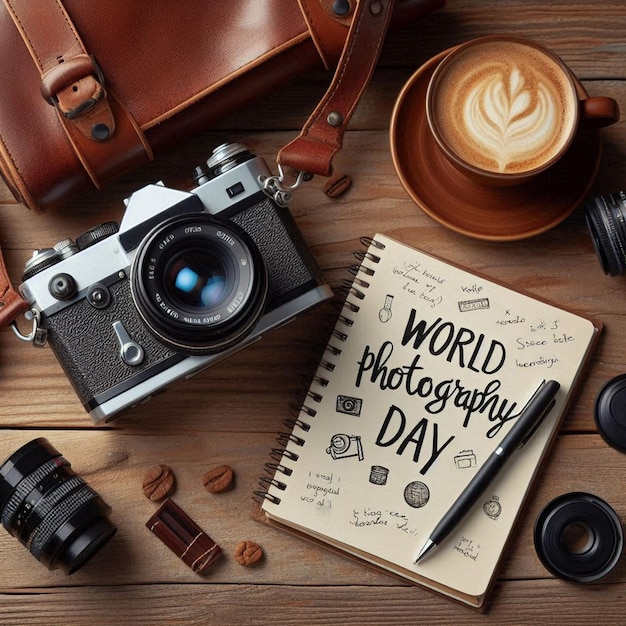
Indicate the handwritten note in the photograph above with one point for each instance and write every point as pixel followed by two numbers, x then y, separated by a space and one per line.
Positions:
pixel 321 489
pixel 467 548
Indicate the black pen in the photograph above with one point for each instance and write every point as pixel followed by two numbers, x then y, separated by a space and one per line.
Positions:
pixel 529 420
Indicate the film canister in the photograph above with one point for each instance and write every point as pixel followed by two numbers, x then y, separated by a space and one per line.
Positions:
pixel 578 537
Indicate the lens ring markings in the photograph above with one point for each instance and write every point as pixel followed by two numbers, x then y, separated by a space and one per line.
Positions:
pixel 50 509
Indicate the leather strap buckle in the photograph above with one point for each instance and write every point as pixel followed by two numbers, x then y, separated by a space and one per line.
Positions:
pixel 79 98
pixel 74 86
pixel 83 101
pixel 66 72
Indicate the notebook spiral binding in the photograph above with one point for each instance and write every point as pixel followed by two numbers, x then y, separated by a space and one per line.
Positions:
pixel 355 288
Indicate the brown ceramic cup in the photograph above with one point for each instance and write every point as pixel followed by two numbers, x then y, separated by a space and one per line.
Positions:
pixel 504 109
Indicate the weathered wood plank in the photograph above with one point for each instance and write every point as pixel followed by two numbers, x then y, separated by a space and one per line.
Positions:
pixel 520 603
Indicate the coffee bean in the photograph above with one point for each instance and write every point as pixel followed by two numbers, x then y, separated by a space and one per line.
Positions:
pixel 218 479
pixel 337 185
pixel 248 552
pixel 158 482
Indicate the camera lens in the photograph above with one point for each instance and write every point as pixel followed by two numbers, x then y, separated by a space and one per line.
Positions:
pixel 196 279
pixel 606 220
pixel 50 509
pixel 199 283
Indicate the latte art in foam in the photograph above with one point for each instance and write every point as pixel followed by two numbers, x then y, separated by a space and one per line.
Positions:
pixel 503 107
pixel 510 123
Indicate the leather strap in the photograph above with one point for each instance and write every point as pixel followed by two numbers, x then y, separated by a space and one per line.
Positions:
pixel 322 135
pixel 106 139
pixel 11 302
pixel 328 27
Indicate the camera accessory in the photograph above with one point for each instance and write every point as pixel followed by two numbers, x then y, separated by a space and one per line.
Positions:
pixel 610 412
pixel 50 509
pixel 606 220
pixel 578 537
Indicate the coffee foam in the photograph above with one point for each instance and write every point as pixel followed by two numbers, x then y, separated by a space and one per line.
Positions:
pixel 504 107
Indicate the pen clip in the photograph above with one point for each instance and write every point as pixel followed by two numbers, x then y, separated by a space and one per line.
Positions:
pixel 541 416
pixel 536 425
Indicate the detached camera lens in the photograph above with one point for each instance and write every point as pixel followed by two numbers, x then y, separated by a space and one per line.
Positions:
pixel 50 509
pixel 199 284
pixel 606 220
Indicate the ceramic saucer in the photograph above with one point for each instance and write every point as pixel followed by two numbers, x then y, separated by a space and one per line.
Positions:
pixel 469 208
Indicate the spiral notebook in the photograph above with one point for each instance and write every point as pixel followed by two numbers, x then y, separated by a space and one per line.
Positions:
pixel 425 370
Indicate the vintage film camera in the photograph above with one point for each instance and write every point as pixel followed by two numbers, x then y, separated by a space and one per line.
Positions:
pixel 187 279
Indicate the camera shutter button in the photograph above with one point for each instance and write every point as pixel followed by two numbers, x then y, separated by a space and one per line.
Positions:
pixel 130 351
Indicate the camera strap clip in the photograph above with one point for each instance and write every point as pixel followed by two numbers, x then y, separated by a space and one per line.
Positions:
pixel 38 336
pixel 280 191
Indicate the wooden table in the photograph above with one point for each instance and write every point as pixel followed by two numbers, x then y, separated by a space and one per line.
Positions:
pixel 231 413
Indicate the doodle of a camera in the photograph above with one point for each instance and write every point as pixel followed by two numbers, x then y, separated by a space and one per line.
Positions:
pixel 349 405
pixel 345 446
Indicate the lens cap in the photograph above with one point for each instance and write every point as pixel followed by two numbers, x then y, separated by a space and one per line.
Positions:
pixel 610 412
pixel 578 537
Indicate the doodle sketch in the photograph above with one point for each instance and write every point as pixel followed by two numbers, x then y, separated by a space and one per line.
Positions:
pixel 473 305
pixel 384 315
pixel 465 459
pixel 378 475
pixel 345 446
pixel 349 405
pixel 493 508
pixel 416 494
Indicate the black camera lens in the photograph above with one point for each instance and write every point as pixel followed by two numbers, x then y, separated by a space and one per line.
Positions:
pixel 50 509
pixel 606 220
pixel 199 283
pixel 196 279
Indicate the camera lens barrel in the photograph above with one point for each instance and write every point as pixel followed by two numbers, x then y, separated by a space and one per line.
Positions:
pixel 199 283
pixel 606 220
pixel 50 509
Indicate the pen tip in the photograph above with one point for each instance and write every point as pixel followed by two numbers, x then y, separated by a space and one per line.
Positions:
pixel 426 548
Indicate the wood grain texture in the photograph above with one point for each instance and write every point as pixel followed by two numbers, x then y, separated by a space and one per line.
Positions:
pixel 232 412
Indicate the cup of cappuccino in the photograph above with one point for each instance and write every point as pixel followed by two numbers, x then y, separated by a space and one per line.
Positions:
pixel 503 109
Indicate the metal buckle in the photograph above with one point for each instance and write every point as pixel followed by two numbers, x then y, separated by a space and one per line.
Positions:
pixel 37 335
pixel 275 188
pixel 76 74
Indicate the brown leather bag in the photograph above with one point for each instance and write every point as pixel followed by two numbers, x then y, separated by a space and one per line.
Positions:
pixel 90 92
